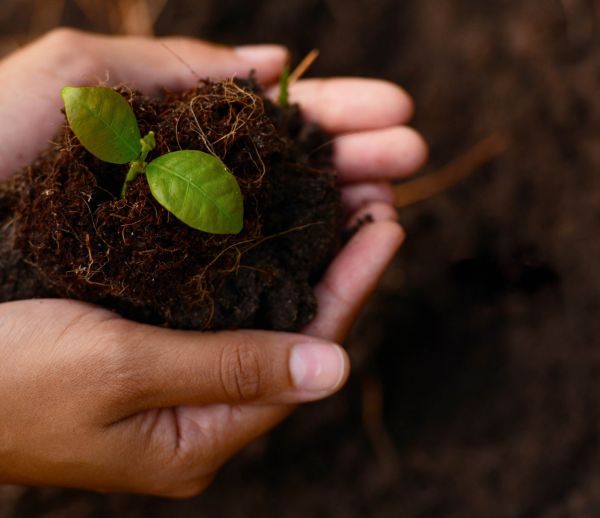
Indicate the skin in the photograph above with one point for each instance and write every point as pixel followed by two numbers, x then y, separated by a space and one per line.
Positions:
pixel 91 400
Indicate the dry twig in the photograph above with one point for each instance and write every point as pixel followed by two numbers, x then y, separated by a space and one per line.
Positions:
pixel 427 186
pixel 304 65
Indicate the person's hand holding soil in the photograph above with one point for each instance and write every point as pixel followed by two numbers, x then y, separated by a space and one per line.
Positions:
pixel 89 399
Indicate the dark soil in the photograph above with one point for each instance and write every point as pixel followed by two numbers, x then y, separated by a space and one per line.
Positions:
pixel 476 382
pixel 70 233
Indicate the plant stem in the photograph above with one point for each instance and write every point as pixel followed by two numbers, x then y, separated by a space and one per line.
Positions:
pixel 283 87
pixel 138 166
pixel 148 144
pixel 135 168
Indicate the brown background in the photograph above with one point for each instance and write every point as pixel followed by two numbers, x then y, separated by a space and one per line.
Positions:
pixel 476 389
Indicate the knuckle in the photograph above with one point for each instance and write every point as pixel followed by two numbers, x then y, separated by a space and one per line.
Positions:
pixel 119 361
pixel 68 50
pixel 241 371
pixel 62 37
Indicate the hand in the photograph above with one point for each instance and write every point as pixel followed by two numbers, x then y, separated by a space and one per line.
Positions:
pixel 91 400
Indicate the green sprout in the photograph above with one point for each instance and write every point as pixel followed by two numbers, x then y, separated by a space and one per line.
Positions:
pixel 284 87
pixel 197 188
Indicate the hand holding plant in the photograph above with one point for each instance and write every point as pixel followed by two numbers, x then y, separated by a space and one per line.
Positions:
pixel 91 400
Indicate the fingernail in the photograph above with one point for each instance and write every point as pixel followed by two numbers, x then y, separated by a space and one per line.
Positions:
pixel 317 367
pixel 262 53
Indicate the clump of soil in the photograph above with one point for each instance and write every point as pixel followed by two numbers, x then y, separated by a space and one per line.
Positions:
pixel 66 231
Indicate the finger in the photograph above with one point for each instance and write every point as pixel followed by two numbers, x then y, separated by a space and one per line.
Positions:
pixel 344 105
pixel 171 368
pixel 374 211
pixel 178 63
pixel 357 196
pixel 379 155
pixel 352 277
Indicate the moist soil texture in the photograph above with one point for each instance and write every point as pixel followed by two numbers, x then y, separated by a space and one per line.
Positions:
pixel 70 233
pixel 475 389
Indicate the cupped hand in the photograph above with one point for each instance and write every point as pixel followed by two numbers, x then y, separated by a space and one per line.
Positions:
pixel 88 399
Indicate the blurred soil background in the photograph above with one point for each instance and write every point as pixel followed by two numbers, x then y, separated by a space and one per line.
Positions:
pixel 476 388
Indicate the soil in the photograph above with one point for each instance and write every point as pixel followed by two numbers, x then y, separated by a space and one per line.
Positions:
pixel 70 233
pixel 476 383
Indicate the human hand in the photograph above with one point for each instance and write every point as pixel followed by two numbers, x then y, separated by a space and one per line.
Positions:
pixel 91 400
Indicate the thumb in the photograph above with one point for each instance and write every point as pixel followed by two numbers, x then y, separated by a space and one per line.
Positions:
pixel 232 367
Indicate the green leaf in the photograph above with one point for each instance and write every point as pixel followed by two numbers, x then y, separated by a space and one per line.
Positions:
pixel 199 190
pixel 103 122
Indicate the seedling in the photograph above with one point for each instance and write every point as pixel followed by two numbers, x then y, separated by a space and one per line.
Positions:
pixel 196 187
pixel 284 84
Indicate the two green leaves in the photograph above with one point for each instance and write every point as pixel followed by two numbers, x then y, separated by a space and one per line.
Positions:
pixel 197 188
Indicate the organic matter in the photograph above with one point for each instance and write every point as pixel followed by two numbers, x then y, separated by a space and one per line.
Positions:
pixel 68 230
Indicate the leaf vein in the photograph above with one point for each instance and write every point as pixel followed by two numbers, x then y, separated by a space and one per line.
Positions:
pixel 127 143
pixel 190 182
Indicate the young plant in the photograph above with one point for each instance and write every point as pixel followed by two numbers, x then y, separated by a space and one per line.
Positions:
pixel 197 188
pixel 284 85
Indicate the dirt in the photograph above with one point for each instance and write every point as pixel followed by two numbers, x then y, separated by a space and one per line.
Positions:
pixel 72 235
pixel 476 383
